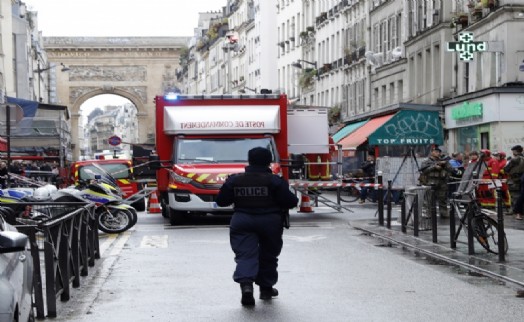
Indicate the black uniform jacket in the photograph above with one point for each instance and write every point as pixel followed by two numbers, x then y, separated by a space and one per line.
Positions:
pixel 282 197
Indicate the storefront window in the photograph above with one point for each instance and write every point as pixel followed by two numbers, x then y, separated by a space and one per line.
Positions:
pixel 467 139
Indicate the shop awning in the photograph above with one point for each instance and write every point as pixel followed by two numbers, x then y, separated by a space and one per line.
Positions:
pixel 361 134
pixel 346 130
pixel 409 127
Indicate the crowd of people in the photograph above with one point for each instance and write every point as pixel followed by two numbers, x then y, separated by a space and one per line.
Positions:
pixel 445 172
pixel 37 170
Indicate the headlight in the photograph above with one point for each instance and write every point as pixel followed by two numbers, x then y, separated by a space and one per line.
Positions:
pixel 179 178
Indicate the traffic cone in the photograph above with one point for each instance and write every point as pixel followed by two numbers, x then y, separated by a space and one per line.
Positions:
pixel 305 204
pixel 154 205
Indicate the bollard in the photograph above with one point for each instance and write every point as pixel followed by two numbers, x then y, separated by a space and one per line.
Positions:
pixel 433 209
pixel 415 216
pixel 452 232
pixel 380 199
pixel 471 246
pixel 500 221
pixel 388 205
pixel 403 216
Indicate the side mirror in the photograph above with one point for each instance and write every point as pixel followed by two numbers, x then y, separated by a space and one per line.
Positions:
pixel 12 241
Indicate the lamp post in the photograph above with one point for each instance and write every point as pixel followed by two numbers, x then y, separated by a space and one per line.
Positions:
pixel 39 71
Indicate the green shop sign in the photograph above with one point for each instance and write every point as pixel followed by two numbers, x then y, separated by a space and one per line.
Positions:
pixel 466 110
pixel 410 127
pixel 465 46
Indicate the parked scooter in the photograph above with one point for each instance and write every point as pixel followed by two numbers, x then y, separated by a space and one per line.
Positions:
pixel 113 216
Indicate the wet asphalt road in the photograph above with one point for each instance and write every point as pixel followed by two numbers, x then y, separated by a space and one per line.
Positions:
pixel 328 272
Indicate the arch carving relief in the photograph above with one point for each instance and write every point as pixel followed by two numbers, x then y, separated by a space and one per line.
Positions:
pixel 136 68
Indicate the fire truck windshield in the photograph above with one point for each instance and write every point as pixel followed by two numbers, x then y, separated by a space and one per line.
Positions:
pixel 219 150
pixel 116 170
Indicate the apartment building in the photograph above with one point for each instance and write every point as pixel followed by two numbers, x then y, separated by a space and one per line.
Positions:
pixel 485 105
pixel 391 67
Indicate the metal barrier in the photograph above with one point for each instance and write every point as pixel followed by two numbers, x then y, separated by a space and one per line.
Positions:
pixel 415 212
pixel 69 234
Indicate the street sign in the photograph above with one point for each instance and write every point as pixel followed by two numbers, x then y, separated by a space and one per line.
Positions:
pixel 114 140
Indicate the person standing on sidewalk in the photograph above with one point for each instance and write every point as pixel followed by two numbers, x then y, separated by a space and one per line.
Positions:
pixel 518 209
pixel 368 167
pixel 500 156
pixel 456 174
pixel 514 169
pixel 3 175
pixel 256 228
pixel 435 173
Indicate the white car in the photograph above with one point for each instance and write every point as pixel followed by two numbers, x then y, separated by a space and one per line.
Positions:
pixel 16 275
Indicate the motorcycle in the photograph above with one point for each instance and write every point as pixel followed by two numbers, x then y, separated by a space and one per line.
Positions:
pixel 113 216
pixel 17 200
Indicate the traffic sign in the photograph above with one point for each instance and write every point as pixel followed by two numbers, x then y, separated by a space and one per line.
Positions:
pixel 114 140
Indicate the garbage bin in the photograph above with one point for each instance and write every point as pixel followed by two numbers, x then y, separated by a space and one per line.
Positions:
pixel 423 194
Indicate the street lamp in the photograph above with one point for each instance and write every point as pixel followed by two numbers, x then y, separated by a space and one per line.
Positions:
pixel 299 65
pixel 39 72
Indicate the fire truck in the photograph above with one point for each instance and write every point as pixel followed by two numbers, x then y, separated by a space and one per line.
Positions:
pixel 201 140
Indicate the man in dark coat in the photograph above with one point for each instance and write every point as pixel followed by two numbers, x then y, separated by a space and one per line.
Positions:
pixel 255 233
pixel 514 169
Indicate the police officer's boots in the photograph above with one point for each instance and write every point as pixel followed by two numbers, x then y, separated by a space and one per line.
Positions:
pixel 247 294
pixel 268 292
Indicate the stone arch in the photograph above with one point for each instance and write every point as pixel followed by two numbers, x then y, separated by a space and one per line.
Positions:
pixel 137 68
pixel 76 104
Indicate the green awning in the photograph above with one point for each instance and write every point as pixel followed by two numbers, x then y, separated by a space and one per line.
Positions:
pixel 348 129
pixel 410 127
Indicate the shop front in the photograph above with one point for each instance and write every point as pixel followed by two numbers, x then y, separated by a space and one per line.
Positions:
pixel 493 121
pixel 399 133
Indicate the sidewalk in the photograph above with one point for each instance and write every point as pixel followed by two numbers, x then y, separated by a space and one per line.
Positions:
pixel 512 270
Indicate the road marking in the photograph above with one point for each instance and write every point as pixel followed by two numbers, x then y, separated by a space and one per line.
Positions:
pixel 119 245
pixel 109 239
pixel 208 241
pixel 306 239
pixel 154 241
pixel 309 224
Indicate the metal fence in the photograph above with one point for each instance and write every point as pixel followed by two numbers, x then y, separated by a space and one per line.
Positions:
pixel 64 238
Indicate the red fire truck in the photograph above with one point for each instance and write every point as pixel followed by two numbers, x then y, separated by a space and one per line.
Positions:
pixel 200 140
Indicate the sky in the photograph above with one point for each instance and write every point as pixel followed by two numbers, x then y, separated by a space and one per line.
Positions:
pixel 99 18
pixel 119 18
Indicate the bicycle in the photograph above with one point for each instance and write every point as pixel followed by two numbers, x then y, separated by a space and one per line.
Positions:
pixel 352 193
pixel 485 229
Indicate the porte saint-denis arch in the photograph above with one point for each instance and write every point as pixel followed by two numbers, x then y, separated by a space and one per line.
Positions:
pixel 137 68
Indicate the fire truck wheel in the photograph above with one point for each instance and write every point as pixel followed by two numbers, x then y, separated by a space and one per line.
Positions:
pixel 164 205
pixel 176 217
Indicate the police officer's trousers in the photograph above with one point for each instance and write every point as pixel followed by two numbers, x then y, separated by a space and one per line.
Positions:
pixel 256 241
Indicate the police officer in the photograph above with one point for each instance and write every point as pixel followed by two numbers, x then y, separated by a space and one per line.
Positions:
pixel 514 169
pixel 255 232
pixel 436 173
